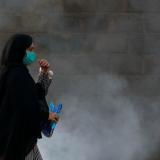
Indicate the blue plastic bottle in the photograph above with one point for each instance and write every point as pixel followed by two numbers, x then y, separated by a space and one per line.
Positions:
pixel 51 125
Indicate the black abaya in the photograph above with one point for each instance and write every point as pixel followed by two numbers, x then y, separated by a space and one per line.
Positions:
pixel 23 110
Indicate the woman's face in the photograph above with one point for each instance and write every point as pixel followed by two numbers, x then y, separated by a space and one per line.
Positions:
pixel 30 55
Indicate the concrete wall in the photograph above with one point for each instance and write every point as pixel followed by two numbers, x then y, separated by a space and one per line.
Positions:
pixel 85 41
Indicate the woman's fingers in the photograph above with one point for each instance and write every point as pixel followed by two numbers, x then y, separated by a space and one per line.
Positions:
pixel 53 117
pixel 44 63
pixel 56 118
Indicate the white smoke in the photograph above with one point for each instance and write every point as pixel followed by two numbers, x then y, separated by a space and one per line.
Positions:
pixel 98 122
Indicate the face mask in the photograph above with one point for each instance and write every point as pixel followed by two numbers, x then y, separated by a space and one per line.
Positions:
pixel 29 58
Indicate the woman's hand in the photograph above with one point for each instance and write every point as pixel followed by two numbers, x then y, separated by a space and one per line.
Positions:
pixel 44 64
pixel 53 117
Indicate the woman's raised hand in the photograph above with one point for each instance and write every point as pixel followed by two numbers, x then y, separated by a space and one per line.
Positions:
pixel 44 64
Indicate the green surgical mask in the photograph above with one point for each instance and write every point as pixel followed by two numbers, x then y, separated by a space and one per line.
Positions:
pixel 29 58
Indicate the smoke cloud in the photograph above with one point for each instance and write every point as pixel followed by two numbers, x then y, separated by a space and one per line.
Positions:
pixel 100 122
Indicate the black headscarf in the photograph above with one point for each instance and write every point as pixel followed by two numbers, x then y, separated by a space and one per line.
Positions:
pixel 13 54
pixel 15 49
pixel 23 107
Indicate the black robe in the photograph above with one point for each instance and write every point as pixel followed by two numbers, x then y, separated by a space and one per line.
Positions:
pixel 23 111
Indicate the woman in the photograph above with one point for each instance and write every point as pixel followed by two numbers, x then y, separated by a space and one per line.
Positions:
pixel 23 107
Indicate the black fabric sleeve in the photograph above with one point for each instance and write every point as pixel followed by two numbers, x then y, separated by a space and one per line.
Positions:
pixel 40 91
pixel 42 103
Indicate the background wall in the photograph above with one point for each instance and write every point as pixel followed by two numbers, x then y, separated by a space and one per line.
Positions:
pixel 105 58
